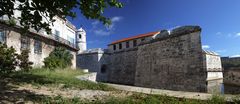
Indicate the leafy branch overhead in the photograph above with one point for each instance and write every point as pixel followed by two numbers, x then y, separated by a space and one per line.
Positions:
pixel 40 14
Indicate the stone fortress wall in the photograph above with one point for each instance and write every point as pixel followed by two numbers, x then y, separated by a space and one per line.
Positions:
pixel 232 80
pixel 231 74
pixel 94 60
pixel 172 61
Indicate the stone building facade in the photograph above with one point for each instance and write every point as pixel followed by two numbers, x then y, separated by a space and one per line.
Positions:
pixel 41 44
pixel 167 60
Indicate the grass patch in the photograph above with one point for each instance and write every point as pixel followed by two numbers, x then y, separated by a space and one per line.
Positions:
pixel 64 77
pixel 139 98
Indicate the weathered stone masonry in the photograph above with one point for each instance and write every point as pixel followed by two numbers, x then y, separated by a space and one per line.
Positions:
pixel 173 61
pixel 122 67
pixel 231 75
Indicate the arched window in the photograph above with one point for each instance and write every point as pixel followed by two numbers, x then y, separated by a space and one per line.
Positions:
pixel 80 36
pixel 103 68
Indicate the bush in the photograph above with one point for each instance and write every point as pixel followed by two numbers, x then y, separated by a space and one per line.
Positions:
pixel 8 59
pixel 24 62
pixel 58 58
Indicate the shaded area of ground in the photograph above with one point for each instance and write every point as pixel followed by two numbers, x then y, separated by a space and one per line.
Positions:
pixel 62 87
pixel 11 94
pixel 39 86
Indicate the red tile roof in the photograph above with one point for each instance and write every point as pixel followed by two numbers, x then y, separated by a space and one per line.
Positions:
pixel 135 37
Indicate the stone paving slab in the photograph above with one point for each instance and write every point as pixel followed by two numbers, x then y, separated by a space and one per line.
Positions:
pixel 177 94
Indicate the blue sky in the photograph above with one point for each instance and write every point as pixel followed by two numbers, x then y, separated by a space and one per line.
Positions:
pixel 219 19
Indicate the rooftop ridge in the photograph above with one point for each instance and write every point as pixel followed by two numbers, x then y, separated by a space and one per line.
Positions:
pixel 135 37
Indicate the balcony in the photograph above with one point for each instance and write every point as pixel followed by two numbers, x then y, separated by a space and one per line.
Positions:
pixel 62 40
pixel 41 33
pixel 55 37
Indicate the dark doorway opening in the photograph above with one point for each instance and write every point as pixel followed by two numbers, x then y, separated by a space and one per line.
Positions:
pixel 103 68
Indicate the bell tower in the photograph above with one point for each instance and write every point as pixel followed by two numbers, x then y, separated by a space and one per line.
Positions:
pixel 81 40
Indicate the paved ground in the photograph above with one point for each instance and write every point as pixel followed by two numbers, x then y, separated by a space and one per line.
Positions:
pixel 178 94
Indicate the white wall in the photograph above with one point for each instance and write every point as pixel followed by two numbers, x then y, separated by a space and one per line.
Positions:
pixel 214 75
pixel 65 31
pixel 60 25
pixel 213 61
pixel 213 65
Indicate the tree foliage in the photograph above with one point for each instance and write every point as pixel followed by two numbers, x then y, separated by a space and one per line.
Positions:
pixel 9 59
pixel 24 62
pixel 34 11
pixel 58 58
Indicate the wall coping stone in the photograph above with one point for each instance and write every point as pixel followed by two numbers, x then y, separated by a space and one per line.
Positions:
pixel 177 32
pixel 180 31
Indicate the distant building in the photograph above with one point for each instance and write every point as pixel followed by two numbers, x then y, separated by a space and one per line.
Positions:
pixel 213 65
pixel 40 44
pixel 130 42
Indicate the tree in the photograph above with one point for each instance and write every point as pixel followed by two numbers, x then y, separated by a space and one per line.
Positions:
pixel 8 59
pixel 34 11
pixel 24 63
pixel 58 58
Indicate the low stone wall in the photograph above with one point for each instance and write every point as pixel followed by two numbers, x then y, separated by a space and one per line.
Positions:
pixel 94 60
pixel 89 61
pixel 231 89
pixel 88 77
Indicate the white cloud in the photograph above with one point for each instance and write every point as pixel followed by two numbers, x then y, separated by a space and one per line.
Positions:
pixel 238 34
pixel 106 30
pixel 95 23
pixel 116 19
pixel 102 32
pixel 205 46
pixel 219 33
pixel 235 55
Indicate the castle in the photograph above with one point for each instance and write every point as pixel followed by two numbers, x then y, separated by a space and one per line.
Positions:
pixel 172 60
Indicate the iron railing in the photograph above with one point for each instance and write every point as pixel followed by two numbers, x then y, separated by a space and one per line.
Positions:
pixel 41 32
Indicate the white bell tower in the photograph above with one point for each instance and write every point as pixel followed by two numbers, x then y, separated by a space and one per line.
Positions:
pixel 81 40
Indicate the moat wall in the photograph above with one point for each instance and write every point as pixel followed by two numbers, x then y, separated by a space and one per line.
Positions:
pixel 122 67
pixel 232 80
pixel 170 61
